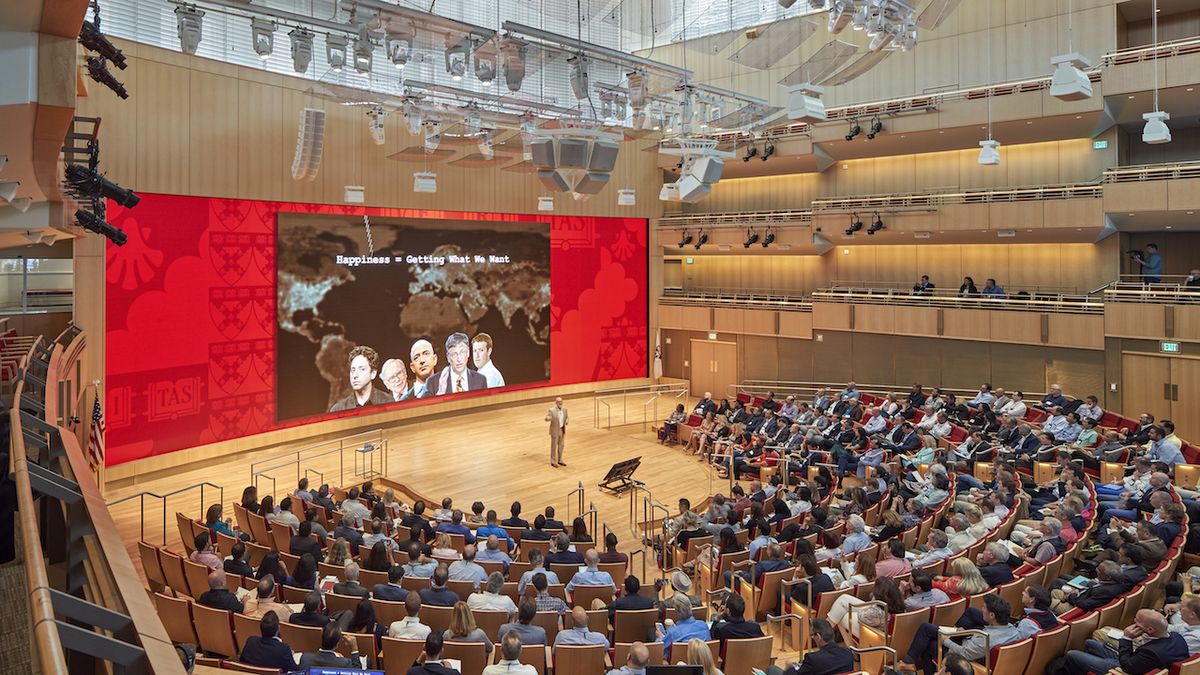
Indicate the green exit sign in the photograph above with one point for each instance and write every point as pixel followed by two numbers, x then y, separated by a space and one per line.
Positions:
pixel 688 261
pixel 1099 145
pixel 1168 347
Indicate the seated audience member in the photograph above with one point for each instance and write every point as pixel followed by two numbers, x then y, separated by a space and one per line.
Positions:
pixel 492 553
pixel 437 594
pixel 264 601
pixel 455 526
pixel 561 553
pixel 444 514
pixel 538 532
pixel 218 596
pixel 476 518
pixel 1110 585
pixel 410 627
pixel 378 558
pixel 892 560
pixel 631 599
pixel 537 566
pixel 510 663
pixel 592 575
pixel 828 658
pixel 392 591
pixel 215 520
pixel 443 547
pixel 490 598
pixel 524 627
pixel 1036 601
pixel 636 661
pixel 467 569
pixel 849 620
pixel 1146 646
pixel 430 662
pixel 463 629
pixel 551 523
pixel 814 582
pixel 349 584
pixel 611 554
pixel 416 519
pixel 964 579
pixel 310 614
pixel 993 565
pixel 686 625
pixel 732 624
pixel 923 594
pixel 515 520
pixel 378 535
pixel 363 622
pixel 236 562
pixel 998 632
pixel 579 633
pixel 266 650
pixel 354 511
pixel 419 562
pixel 332 637
pixel 205 554
pixel 352 536
pixel 939 549
pixel 491 529
pixel 545 601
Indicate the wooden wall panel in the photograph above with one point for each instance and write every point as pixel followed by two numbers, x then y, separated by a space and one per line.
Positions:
pixel 920 321
pixel 1133 197
pixel 759 322
pixel 831 357
pixel 264 149
pixel 875 318
pixel 212 140
pixel 1128 319
pixel 1077 330
pixel 1023 327
pixel 796 324
pixel 1018 367
pixel 795 359
pixel 1015 216
pixel 670 316
pixel 696 318
pixel 830 316
pixel 969 324
pixel 965 364
pixel 727 320
pixel 1183 193
pixel 164 108
pixel 1187 322
pixel 759 358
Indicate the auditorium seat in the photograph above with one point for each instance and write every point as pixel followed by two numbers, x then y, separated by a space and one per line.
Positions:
pixel 214 628
pixel 633 625
pixel 239 667
pixel 583 595
pixel 534 655
pixel 579 659
pixel 437 618
pixel 172 566
pixel 549 621
pixel 197 578
pixel 245 627
pixel 744 654
pixel 336 603
pixel 473 655
pixel 399 654
pixel 151 567
pixel 176 615
pixel 300 638
pixel 621 652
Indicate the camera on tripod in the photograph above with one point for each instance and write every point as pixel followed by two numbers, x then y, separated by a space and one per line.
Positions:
pixel 1135 255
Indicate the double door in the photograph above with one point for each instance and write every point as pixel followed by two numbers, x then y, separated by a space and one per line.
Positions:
pixel 713 367
pixel 1166 387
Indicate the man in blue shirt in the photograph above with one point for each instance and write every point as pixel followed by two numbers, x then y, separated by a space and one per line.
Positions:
pixel 686 626
pixel 1163 450
pixel 492 529
pixel 455 526
pixel 536 567
pixel 1152 264
pixel 993 290
pixel 592 576
pixel 579 634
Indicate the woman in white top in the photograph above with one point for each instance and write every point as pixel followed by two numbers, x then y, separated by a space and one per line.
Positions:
pixel 858 572
pixel 831 546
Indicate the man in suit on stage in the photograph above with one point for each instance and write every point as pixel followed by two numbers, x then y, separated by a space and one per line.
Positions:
pixel 557 417
pixel 456 376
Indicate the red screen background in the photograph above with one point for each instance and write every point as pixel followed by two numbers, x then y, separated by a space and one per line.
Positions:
pixel 190 314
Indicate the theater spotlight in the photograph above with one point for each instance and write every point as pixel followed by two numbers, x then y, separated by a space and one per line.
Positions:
pixel 751 239
pixel 93 223
pixel 485 67
pixel 685 240
pixel 768 150
pixel 87 182
pixel 335 52
pixel 750 153
pixel 456 56
pixel 855 225
pixel 399 43
pixel 702 240
pixel 302 48
pixel 579 76
pixel 769 238
pixel 98 71
pixel 875 226
pixel 189 21
pixel 94 41
pixel 512 55
pixel 262 37
pixel 364 49
pixel 855 130
pixel 876 127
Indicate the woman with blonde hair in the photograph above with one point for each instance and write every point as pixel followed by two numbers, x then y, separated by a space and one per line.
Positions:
pixel 443 547
pixel 698 654
pixel 964 578
pixel 706 427
pixel 859 571
pixel 339 553
pixel 463 629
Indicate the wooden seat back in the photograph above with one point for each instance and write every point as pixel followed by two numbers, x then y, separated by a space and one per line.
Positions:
pixel 245 627
pixel 214 628
pixel 302 638
pixel 744 654
pixel 582 596
pixel 489 621
pixel 196 576
pixel 399 654
pixel 1081 629
pixel 473 655
pixel 148 554
pixel 534 655
pixel 621 653
pixel 579 659
pixel 437 618
pixel 1047 646
pixel 176 616
pixel 549 621
pixel 172 566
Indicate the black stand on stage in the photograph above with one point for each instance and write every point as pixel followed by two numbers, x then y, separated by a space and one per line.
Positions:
pixel 620 477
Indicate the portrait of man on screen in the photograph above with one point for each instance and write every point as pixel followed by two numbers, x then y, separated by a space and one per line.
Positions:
pixel 456 377
pixel 423 363
pixel 364 366
pixel 481 355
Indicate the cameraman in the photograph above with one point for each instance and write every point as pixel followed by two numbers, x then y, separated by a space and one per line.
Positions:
pixel 1151 263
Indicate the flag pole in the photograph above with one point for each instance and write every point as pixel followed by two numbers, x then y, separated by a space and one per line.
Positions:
pixel 99 467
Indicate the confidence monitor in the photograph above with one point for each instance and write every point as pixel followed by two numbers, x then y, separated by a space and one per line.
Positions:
pixel 620 477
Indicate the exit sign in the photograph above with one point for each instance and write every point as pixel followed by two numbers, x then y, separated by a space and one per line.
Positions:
pixel 1099 145
pixel 712 336
pixel 1168 347
pixel 688 261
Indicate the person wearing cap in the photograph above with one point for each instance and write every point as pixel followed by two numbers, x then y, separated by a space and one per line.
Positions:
pixel 681 584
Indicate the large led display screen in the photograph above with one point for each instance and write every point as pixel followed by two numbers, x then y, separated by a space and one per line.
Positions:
pixel 227 318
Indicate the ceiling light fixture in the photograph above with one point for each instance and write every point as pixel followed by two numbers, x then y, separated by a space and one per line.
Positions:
pixel 399 44
pixel 302 48
pixel 335 52
pixel 364 49
pixel 456 56
pixel 989 149
pixel 1156 130
pixel 512 55
pixel 1069 82
pixel 189 21
pixel 262 37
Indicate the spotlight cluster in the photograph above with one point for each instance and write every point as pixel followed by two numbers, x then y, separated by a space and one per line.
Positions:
pixel 686 238
pixel 91 188
pixel 753 238
pixel 94 41
pixel 856 129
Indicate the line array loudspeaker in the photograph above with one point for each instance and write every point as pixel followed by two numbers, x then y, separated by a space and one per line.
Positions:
pixel 310 143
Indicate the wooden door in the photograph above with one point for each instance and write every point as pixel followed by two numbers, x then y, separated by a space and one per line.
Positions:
pixel 1185 397
pixel 725 370
pixel 1147 382
pixel 701 368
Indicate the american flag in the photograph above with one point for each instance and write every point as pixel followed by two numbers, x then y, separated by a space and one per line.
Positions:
pixel 95 446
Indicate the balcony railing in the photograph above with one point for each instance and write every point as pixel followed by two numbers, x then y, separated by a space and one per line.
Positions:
pixel 1144 172
pixel 1016 301
pixel 792 301
pixel 1189 45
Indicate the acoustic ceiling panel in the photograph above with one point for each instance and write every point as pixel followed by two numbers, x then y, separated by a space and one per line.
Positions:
pixel 774 43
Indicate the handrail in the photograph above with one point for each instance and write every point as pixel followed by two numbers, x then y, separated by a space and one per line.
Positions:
pixel 840 205
pixel 265 467
pixel 590 517
pixel 141 497
pixel 1063 303
pixel 578 492
pixel 653 391
pixel 1189 45
pixel 1144 172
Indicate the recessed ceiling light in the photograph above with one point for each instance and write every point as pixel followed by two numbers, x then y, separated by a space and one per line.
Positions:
pixel 1079 229
pixel 1131 96
pixel 1167 227
pixel 1029 122
pixel 1133 214
pixel 1079 117
pixel 1190 88
pixel 940 131
pixel 1190 212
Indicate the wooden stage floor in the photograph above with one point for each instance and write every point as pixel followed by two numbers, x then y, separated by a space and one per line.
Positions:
pixel 495 456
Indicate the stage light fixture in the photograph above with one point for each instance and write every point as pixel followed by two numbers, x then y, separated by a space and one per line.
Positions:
pixel 855 130
pixel 8 189
pixel 375 124
pixel 855 225
pixel 94 223
pixel 768 150
pixel 840 14
pixel 512 55
pixel 425 181
pixel 364 50
pixel 635 84
pixel 412 115
pixel 579 76
pixel 989 152
pixel 685 239
pixel 485 67
pixel 189 21
pixel 399 44
pixel 876 127
pixel 433 136
pixel 487 146
pixel 21 204
pixel 751 239
pixel 769 238
pixel 262 37
pixel 88 183
pixel 750 153
pixel 457 53
pixel 93 40
pixel 805 104
pixel 702 240
pixel 98 71
pixel 335 52
pixel 1156 130
pixel 876 226
pixel 302 48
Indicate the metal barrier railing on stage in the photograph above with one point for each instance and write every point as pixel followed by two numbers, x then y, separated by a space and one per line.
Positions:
pixel 647 411
pixel 162 501
pixel 366 445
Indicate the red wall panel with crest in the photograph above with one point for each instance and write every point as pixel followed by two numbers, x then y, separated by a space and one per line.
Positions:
pixel 190 314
